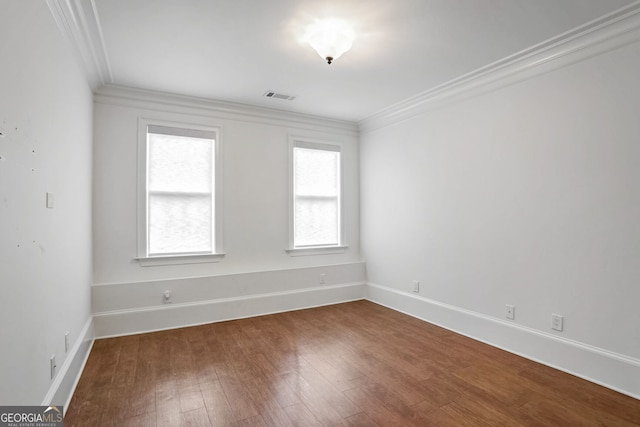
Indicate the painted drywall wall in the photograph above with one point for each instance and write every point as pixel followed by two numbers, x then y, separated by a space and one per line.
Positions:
pixel 255 199
pixel 528 195
pixel 45 253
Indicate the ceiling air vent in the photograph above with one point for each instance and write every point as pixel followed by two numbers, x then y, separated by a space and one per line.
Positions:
pixel 271 94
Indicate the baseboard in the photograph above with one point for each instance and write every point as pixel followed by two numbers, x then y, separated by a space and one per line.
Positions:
pixel 170 316
pixel 64 384
pixel 611 370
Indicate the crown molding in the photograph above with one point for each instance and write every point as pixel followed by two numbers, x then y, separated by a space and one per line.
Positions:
pixel 172 103
pixel 609 32
pixel 79 23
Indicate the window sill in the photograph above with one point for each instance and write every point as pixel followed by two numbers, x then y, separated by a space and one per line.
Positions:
pixel 317 250
pixel 178 259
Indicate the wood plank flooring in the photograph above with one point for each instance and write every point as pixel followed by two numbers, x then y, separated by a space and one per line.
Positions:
pixel 353 364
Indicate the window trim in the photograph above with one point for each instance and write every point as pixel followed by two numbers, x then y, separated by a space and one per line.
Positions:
pixel 317 144
pixel 143 257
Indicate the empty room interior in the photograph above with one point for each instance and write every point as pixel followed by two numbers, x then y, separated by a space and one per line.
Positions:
pixel 289 212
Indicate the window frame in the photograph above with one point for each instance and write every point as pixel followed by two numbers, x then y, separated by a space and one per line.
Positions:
pixel 143 257
pixel 316 144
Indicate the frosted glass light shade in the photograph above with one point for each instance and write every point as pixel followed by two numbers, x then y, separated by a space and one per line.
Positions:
pixel 330 38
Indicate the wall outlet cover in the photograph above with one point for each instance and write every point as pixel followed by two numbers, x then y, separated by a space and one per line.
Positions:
pixel 557 322
pixel 510 312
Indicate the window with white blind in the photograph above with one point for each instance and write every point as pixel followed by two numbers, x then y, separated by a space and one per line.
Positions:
pixel 178 188
pixel 316 197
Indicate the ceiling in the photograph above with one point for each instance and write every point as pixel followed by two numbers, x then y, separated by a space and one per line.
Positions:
pixel 236 50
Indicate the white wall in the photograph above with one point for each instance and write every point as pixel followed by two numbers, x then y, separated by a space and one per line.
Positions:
pixel 255 202
pixel 45 254
pixel 528 194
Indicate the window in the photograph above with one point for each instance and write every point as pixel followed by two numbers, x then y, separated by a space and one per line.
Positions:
pixel 316 205
pixel 178 191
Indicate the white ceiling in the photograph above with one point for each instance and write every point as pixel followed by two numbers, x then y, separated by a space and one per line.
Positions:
pixel 236 50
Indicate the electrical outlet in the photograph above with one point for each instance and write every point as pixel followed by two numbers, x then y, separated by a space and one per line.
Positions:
pixel 321 279
pixel 557 322
pixel 416 286
pixel 166 297
pixel 52 365
pixel 66 341
pixel 510 312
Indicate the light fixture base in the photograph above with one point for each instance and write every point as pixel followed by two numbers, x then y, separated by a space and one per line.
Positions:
pixel 329 59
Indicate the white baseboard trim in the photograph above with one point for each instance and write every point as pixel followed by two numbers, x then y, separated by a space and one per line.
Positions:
pixel 611 370
pixel 65 382
pixel 171 316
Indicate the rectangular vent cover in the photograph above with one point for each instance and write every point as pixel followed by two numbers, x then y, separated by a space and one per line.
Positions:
pixel 272 94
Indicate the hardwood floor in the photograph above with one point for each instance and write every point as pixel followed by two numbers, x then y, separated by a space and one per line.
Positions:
pixel 353 364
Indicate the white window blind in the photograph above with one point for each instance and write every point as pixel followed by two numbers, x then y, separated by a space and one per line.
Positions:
pixel 180 191
pixel 316 195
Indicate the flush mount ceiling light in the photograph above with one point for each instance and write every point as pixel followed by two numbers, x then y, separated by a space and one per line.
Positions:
pixel 330 38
